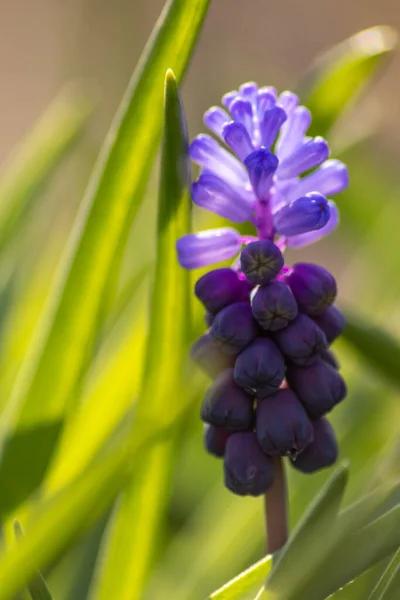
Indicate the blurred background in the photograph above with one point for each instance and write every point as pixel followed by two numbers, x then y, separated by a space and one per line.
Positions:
pixel 47 43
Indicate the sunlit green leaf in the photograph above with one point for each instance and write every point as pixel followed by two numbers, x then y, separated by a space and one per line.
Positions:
pixel 62 518
pixel 136 524
pixel 63 344
pixel 37 585
pixel 244 582
pixel 342 72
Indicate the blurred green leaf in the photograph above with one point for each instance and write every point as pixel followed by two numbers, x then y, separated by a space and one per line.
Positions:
pixel 342 72
pixel 243 583
pixel 224 532
pixel 38 155
pixel 360 588
pixel 37 586
pixel 378 348
pixel 60 519
pixel 63 344
pixel 388 586
pixel 354 554
pixel 320 516
pixel 373 505
pixel 135 529
pixel 111 377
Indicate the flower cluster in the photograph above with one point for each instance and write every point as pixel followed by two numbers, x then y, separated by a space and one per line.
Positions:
pixel 267 348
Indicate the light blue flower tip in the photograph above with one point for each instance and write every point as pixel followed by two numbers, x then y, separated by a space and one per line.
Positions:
pixel 197 250
pixel 261 166
pixel 305 214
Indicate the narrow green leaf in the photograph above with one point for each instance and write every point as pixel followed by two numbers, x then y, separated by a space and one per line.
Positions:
pixel 244 582
pixel 388 585
pixel 135 529
pixel 373 505
pixel 360 588
pixel 65 337
pixel 34 160
pixel 342 72
pixel 355 554
pixel 377 347
pixel 37 586
pixel 59 520
pixel 306 542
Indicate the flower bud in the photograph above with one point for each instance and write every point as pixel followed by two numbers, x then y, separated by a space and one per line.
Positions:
pixel 215 439
pixel 301 341
pixel 248 471
pixel 274 305
pixel 219 288
pixel 313 286
pixel 282 425
pixel 319 387
pixel 322 452
pixel 206 354
pixel 234 328
pixel 227 405
pixel 261 261
pixel 260 368
pixel 332 323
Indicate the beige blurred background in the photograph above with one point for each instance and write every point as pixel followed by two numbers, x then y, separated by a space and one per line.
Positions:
pixel 44 43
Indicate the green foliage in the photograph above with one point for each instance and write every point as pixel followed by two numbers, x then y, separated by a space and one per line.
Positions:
pixel 342 72
pixel 100 437
pixel 379 348
pixel 136 524
pixel 37 586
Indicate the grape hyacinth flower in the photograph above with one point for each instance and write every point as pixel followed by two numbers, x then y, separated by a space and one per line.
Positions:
pixel 270 325
pixel 262 183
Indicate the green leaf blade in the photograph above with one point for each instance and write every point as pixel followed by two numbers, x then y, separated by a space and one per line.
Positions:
pixel 305 542
pixel 87 275
pixel 342 72
pixel 133 535
pixel 37 586
pixel 388 585
pixel 378 348
pixel 243 583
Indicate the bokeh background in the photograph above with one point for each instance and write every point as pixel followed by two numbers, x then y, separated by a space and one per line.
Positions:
pixel 46 44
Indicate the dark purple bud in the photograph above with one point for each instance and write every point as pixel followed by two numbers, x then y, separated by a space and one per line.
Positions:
pixel 215 439
pixel 248 471
pixel 332 323
pixel 274 305
pixel 282 425
pixel 301 341
pixel 319 387
pixel 260 368
pixel 219 288
pixel 329 357
pixel 234 328
pixel 261 261
pixel 322 452
pixel 206 354
pixel 313 286
pixel 227 405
